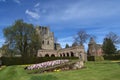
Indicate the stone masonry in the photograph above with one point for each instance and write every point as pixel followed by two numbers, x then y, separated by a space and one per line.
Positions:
pixel 47 37
pixel 94 49
pixel 50 49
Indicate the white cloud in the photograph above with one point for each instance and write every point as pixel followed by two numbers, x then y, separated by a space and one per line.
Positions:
pixel 84 11
pixel 36 5
pixel 32 14
pixel 17 1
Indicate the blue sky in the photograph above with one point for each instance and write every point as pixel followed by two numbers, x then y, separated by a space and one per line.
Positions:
pixel 64 17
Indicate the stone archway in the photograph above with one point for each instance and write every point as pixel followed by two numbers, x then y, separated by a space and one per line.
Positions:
pixel 47 55
pixel 67 54
pixel 63 54
pixel 40 55
pixel 52 55
pixel 72 54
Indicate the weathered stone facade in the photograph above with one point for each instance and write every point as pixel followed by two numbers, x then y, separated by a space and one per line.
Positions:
pixel 50 49
pixel 94 49
pixel 47 37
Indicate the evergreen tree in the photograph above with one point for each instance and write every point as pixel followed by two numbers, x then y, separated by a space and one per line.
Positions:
pixel 108 46
pixel 67 46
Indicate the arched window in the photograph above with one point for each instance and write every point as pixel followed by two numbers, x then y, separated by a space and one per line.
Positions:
pixel 63 54
pixel 67 54
pixel 60 55
pixel 48 43
pixel 46 55
pixel 80 56
pixel 72 54
pixel 52 55
pixel 42 42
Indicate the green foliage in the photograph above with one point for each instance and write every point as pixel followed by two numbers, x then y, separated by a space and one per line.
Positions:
pixel 95 58
pixel 67 46
pixel 118 52
pixel 114 37
pixel 112 57
pixel 99 58
pixel 94 71
pixel 6 51
pixel 108 46
pixel 30 60
pixel 90 58
pixel 21 37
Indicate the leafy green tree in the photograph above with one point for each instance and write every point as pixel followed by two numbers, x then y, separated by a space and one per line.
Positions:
pixel 108 46
pixel 22 38
pixel 5 50
pixel 118 51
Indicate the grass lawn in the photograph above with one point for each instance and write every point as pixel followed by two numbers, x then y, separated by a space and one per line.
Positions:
pixel 95 71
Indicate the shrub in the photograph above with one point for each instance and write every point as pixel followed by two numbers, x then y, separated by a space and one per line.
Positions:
pixel 90 58
pixel 29 60
pixel 99 58
pixel 95 58
pixel 112 57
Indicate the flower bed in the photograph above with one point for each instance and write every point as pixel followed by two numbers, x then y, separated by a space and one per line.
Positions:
pixel 46 64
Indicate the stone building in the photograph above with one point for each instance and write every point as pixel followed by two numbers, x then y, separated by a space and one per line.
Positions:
pixel 47 37
pixel 51 49
pixel 94 49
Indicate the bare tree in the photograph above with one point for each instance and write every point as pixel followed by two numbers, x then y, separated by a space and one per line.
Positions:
pixel 81 37
pixel 114 37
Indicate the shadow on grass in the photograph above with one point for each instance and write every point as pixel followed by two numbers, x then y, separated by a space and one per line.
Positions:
pixel 118 63
pixel 44 77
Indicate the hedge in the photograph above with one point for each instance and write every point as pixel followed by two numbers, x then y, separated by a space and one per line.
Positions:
pixel 99 58
pixel 105 57
pixel 29 60
pixel 90 58
pixel 112 57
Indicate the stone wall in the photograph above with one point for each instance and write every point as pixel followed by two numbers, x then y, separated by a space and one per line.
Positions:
pixel 46 36
pixel 77 51
pixel 49 49
pixel 94 49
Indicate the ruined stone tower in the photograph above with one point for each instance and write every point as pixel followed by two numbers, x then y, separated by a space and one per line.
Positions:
pixel 46 36
pixel 53 49
pixel 94 49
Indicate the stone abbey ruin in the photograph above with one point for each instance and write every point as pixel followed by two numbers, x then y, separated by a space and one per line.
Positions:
pixel 52 49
